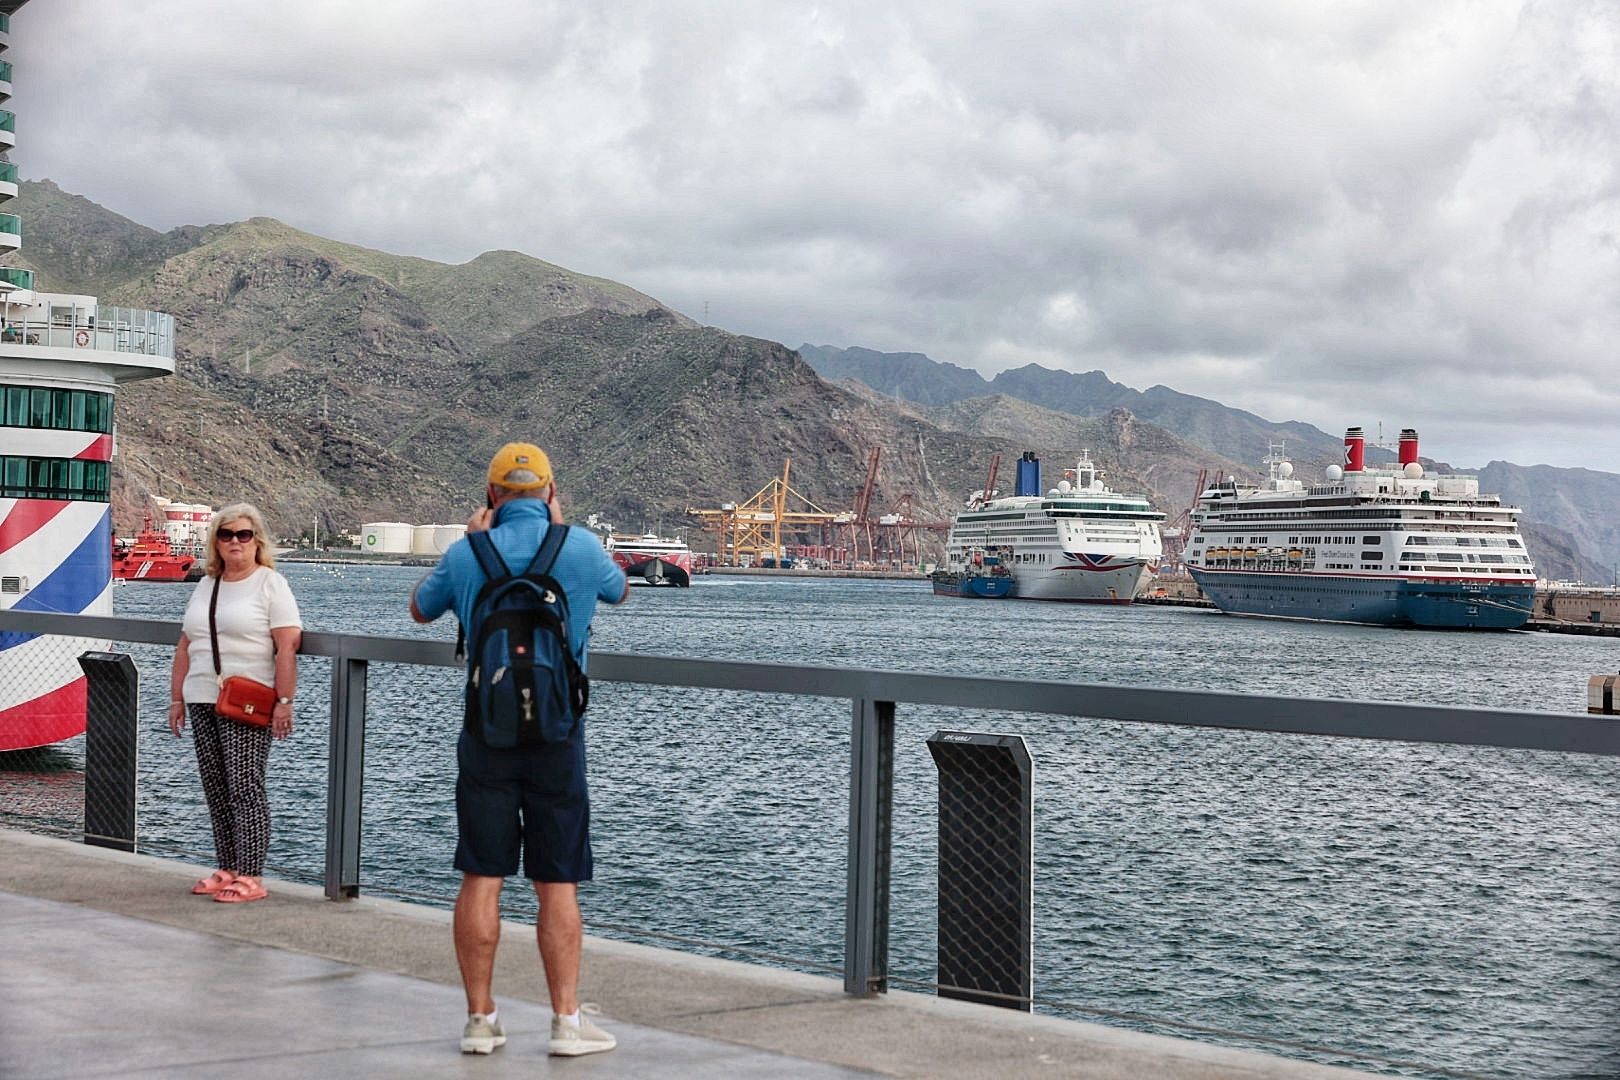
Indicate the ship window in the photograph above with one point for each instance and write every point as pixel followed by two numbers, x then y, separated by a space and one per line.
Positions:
pixel 1371 556
pixel 17 406
pixel 1371 540
pixel 39 408
pixel 52 478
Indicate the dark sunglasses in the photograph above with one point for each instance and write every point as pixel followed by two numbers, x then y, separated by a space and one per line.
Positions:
pixel 240 535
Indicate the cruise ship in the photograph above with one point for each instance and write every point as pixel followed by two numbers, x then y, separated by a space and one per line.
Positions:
pixel 1385 547
pixel 62 358
pixel 1079 541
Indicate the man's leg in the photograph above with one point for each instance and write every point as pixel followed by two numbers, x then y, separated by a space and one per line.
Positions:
pixel 478 932
pixel 561 932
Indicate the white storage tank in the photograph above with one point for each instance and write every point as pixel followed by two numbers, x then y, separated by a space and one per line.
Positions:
pixel 386 538
pixel 422 540
pixel 445 535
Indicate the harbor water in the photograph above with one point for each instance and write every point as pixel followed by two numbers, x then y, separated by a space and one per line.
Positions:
pixel 1422 910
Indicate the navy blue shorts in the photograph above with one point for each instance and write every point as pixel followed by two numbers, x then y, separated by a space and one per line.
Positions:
pixel 529 798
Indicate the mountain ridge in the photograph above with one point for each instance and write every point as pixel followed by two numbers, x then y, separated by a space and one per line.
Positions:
pixel 327 381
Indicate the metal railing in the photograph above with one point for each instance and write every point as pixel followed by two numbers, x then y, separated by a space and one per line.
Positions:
pixel 873 696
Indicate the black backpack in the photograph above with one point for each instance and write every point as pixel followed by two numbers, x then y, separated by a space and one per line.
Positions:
pixel 523 684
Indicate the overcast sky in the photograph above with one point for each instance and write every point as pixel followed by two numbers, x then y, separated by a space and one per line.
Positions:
pixel 1365 212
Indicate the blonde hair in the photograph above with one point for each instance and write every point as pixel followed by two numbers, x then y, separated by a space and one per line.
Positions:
pixel 262 554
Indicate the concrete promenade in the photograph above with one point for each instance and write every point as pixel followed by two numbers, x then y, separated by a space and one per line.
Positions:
pixel 109 968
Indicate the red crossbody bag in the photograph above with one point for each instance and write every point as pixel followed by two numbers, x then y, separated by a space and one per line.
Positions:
pixel 245 700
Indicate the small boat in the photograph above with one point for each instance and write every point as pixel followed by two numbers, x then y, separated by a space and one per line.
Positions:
pixel 982 578
pixel 151 557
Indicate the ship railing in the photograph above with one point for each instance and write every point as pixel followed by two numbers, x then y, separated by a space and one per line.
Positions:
pixel 755 693
pixel 107 329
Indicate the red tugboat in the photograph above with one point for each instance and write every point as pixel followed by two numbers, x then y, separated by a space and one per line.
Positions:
pixel 151 557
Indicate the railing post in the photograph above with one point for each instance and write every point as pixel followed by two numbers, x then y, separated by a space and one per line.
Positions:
pixel 871 797
pixel 344 773
pixel 111 691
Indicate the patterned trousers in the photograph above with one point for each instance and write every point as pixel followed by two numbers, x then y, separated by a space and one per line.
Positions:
pixel 231 759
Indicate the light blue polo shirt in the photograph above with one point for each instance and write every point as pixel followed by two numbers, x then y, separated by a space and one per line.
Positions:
pixel 586 572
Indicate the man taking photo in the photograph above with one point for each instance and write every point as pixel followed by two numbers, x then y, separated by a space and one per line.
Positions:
pixel 520 783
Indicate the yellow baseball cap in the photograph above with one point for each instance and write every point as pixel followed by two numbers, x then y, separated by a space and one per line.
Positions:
pixel 515 456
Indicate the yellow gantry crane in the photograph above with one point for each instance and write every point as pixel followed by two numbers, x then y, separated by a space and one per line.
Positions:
pixel 754 527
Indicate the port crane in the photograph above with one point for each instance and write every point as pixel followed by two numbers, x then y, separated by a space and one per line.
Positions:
pixel 1176 531
pixel 753 529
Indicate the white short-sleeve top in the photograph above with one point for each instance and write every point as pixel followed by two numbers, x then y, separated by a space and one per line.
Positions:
pixel 248 610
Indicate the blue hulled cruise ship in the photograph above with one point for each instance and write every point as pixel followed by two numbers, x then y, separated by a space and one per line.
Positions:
pixel 1386 547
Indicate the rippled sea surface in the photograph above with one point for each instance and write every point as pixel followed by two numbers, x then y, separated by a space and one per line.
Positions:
pixel 1398 907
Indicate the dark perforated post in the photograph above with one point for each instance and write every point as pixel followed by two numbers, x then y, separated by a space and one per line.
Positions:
pixel 986 868
pixel 871 797
pixel 111 686
pixel 345 775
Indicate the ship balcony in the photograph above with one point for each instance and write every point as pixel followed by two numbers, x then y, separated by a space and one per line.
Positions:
pixel 5 79
pixel 127 343
pixel 8 180
pixel 10 232
pixel 8 129
pixel 15 277
pixel 5 30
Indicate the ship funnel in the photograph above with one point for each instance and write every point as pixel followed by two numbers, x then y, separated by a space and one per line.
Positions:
pixel 1355 450
pixel 1409 446
pixel 1029 474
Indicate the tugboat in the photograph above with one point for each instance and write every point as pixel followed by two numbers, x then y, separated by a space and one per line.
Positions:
pixel 151 557
pixel 984 578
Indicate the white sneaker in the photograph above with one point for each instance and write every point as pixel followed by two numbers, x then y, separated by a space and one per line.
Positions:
pixel 481 1035
pixel 570 1041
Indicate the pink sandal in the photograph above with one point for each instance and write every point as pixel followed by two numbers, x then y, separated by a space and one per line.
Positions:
pixel 214 882
pixel 241 891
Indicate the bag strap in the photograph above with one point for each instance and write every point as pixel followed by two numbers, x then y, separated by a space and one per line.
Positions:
pixel 213 628
pixel 489 558
pixel 550 548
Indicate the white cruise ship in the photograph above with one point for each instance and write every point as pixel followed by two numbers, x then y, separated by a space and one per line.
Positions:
pixel 1386 547
pixel 1079 542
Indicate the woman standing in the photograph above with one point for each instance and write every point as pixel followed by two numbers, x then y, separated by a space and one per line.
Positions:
pixel 242 620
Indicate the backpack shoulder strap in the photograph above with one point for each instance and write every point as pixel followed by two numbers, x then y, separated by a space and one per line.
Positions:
pixel 550 548
pixel 489 559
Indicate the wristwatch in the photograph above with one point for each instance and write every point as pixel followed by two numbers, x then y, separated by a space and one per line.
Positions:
pixel 283 701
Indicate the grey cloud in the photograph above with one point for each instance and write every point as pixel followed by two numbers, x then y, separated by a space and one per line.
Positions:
pixel 1371 209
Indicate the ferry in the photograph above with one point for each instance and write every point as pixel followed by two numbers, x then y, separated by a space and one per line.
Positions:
pixel 62 359
pixel 1080 541
pixel 1382 547
pixel 652 559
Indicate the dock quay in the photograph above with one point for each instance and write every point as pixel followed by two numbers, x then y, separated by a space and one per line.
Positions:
pixel 113 969
pixel 808 572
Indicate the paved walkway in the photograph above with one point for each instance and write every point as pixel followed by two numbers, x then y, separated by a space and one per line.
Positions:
pixel 108 968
